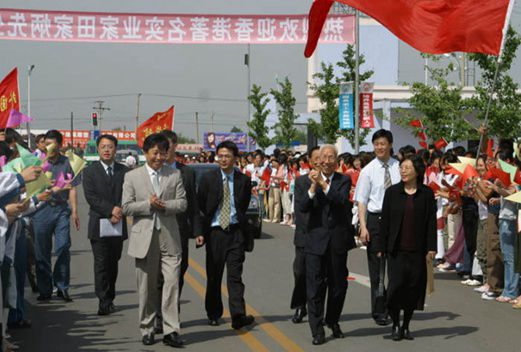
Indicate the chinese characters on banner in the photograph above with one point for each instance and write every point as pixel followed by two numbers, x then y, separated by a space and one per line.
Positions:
pixel 158 122
pixel 168 28
pixel 9 96
pixel 346 106
pixel 366 105
pixel 83 136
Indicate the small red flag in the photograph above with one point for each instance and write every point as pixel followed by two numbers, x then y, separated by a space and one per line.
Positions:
pixel 416 123
pixel 9 96
pixel 490 148
pixel 266 175
pixel 424 145
pixel 422 136
pixel 441 143
pixel 469 172
pixel 503 176
pixel 158 122
pixel 517 177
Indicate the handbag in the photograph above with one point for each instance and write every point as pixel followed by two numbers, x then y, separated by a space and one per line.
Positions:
pixel 380 300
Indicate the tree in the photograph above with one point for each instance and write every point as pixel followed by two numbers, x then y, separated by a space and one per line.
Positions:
pixel 504 118
pixel 184 140
pixel 258 129
pixel 440 107
pixel 285 131
pixel 235 129
pixel 327 90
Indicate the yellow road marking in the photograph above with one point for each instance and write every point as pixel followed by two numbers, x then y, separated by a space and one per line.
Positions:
pixel 246 336
pixel 284 341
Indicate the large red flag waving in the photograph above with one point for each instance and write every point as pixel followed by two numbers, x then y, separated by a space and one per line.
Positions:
pixel 433 26
pixel 158 122
pixel 9 96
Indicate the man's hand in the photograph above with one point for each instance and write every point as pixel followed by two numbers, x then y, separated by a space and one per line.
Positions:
pixel 199 240
pixel 114 219
pixel 313 176
pixel 117 213
pixel 44 196
pixel 156 203
pixel 31 173
pixel 76 220
pixel 364 236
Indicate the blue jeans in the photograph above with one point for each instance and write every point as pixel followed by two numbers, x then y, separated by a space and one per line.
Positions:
pixel 20 266
pixel 507 236
pixel 48 221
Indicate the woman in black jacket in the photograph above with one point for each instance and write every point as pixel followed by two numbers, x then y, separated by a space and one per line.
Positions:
pixel 408 235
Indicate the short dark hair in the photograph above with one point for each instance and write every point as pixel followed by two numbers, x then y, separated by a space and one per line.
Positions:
pixel 54 134
pixel 171 135
pixel 419 167
pixel 311 150
pixel 107 136
pixel 12 136
pixel 228 145
pixel 39 137
pixel 459 150
pixel 260 153
pixel 5 150
pixel 383 133
pixel 156 139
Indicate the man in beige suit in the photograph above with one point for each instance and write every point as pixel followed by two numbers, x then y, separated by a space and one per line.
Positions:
pixel 153 194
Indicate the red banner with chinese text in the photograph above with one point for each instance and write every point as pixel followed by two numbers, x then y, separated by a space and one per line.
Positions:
pixel 9 96
pixel 158 122
pixel 66 26
pixel 366 105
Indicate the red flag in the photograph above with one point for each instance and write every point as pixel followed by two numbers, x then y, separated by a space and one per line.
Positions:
pixel 422 136
pixel 434 186
pixel 416 123
pixel 490 148
pixel 441 143
pixel 424 145
pixel 517 177
pixel 158 122
pixel 469 172
pixel 9 96
pixel 503 176
pixel 433 27
pixel 266 175
pixel 450 170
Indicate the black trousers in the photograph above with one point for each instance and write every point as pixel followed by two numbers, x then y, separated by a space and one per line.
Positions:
pixel 373 262
pixel 325 272
pixel 184 263
pixel 298 298
pixel 470 219
pixel 225 248
pixel 107 252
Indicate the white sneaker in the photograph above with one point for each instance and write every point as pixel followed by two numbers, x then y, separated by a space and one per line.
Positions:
pixel 488 296
pixel 473 283
pixel 481 289
pixel 465 282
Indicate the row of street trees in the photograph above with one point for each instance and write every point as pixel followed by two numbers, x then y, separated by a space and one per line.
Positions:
pixel 441 107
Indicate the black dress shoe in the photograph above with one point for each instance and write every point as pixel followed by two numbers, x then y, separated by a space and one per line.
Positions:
pixel 64 294
pixel 337 332
pixel 213 322
pixel 406 334
pixel 43 298
pixel 242 321
pixel 396 334
pixel 319 340
pixel 300 313
pixel 112 307
pixel 104 310
pixel 383 321
pixel 148 340
pixel 173 339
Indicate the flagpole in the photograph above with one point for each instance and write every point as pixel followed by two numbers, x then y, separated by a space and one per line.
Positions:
pixel 30 69
pixel 357 81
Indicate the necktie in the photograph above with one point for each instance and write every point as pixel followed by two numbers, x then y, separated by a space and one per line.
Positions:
pixel 328 181
pixel 224 216
pixel 387 177
pixel 109 172
pixel 155 185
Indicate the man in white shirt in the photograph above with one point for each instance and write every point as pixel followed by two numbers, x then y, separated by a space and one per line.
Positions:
pixel 374 179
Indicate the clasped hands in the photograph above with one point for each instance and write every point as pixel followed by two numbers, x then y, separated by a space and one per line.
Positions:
pixel 156 203
pixel 317 180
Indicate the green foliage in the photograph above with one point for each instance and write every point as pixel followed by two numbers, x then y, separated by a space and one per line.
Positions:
pixel 257 125
pixel 184 140
pixel 235 129
pixel 504 118
pixel 327 90
pixel 285 131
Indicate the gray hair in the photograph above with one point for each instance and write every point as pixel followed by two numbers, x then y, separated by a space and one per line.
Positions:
pixel 329 146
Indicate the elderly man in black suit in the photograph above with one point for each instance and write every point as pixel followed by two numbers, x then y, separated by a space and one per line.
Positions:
pixel 103 187
pixel 224 195
pixel 329 236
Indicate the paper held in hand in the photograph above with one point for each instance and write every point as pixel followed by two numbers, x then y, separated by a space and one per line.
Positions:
pixel 108 229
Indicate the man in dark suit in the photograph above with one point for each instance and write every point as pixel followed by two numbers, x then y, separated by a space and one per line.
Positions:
pixel 328 238
pixel 103 187
pixel 188 222
pixel 298 298
pixel 224 195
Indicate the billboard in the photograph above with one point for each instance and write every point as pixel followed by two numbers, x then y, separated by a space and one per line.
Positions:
pixel 212 140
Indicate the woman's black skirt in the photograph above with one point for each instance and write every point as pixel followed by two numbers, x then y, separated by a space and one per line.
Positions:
pixel 407 274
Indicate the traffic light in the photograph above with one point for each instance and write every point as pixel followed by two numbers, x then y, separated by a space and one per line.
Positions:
pixel 94 119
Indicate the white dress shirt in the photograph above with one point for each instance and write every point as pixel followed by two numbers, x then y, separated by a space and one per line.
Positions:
pixel 370 188
pixel 105 166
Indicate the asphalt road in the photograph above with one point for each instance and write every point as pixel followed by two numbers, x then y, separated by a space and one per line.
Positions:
pixel 455 319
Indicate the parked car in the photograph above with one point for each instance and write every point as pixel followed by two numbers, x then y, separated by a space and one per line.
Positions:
pixel 254 212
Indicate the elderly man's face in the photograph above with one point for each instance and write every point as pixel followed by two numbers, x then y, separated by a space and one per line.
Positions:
pixel 328 161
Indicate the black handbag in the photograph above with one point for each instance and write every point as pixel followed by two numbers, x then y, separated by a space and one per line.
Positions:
pixel 380 301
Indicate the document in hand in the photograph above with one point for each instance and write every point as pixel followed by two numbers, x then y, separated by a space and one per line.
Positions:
pixel 108 229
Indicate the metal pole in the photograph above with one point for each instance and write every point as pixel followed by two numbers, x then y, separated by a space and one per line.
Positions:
pixel 137 112
pixel 426 71
pixel 357 82
pixel 247 62
pixel 197 126
pixel 30 69
pixel 72 129
pixel 462 70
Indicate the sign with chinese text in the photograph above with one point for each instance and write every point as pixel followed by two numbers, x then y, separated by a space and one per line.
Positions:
pixel 65 26
pixel 346 106
pixel 158 122
pixel 83 136
pixel 366 105
pixel 212 140
pixel 9 96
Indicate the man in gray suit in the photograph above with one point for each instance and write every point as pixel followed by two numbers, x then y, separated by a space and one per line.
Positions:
pixel 153 194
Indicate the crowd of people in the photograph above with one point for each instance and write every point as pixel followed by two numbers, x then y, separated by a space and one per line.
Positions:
pixel 403 208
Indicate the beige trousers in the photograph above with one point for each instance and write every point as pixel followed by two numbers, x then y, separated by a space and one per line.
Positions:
pixel 147 272
pixel 274 204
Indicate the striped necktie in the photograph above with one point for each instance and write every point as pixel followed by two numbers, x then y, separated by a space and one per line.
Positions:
pixel 387 178
pixel 224 216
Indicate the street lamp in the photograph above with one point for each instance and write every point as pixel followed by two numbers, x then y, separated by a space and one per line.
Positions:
pixel 30 69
